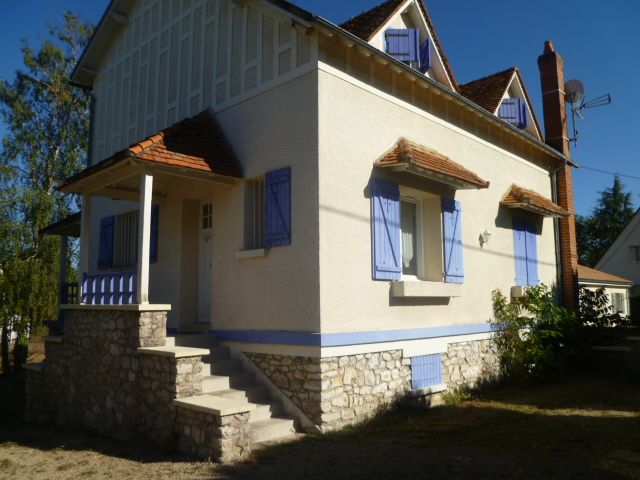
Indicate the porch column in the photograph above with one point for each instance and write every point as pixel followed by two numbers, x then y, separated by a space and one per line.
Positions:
pixel 85 240
pixel 64 249
pixel 144 236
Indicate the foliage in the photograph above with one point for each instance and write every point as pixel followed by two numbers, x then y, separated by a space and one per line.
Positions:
pixel 47 123
pixel 535 337
pixel 597 232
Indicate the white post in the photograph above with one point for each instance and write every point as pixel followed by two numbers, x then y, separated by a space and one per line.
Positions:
pixel 144 236
pixel 85 240
pixel 64 247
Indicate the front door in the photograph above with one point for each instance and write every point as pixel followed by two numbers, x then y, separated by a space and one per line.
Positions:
pixel 205 259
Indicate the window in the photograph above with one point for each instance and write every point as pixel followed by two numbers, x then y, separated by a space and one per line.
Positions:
pixel 635 253
pixel 514 111
pixel 426 371
pixel 404 45
pixel 526 252
pixel 125 239
pixel 254 214
pixel 207 216
pixel 618 302
pixel 415 236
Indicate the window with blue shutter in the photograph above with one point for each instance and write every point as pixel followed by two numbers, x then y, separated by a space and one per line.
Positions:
pixel 452 230
pixel 105 255
pixel 277 215
pixel 385 227
pixel 514 111
pixel 403 44
pixel 153 246
pixel 425 56
pixel 526 252
pixel 426 371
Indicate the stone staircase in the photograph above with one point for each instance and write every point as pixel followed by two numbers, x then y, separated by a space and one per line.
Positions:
pixel 227 387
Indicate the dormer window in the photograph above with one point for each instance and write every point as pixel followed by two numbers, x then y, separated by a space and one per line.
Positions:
pixel 404 44
pixel 514 111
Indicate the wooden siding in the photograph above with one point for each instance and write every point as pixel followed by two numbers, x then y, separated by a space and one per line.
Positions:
pixel 176 58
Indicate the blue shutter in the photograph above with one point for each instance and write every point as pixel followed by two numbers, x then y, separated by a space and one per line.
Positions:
pixel 425 56
pixel 532 253
pixel 385 229
pixel 452 229
pixel 403 43
pixel 520 251
pixel 277 208
pixel 105 256
pixel 426 371
pixel 153 247
pixel 514 111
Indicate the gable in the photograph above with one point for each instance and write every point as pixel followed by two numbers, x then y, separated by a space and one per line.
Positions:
pixel 372 24
pixel 617 258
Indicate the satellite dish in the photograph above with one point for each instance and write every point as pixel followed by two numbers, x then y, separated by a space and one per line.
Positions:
pixel 574 92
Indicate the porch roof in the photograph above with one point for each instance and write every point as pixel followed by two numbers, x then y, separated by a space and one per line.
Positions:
pixel 66 227
pixel 518 197
pixel 195 144
pixel 413 158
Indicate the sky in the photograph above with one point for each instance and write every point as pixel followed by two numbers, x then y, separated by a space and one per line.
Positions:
pixel 598 40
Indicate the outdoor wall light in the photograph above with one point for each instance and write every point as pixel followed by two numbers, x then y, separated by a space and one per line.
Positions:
pixel 484 238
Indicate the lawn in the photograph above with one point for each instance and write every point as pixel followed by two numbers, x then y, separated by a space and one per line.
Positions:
pixel 581 427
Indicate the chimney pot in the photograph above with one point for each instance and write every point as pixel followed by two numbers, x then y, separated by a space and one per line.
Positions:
pixel 548 47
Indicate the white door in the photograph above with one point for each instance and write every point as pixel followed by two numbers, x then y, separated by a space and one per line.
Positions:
pixel 205 258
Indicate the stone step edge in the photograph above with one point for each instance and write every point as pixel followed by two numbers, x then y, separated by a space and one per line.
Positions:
pixel 54 338
pixel 174 352
pixel 214 405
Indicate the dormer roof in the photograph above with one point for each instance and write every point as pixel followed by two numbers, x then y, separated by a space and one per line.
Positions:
pixel 488 92
pixel 367 24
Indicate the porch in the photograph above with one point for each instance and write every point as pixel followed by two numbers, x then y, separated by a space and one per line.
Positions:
pixel 142 211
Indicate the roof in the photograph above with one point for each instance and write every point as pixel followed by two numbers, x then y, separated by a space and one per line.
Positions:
pixel 411 156
pixel 67 227
pixel 196 143
pixel 591 275
pixel 487 92
pixel 369 22
pixel 519 197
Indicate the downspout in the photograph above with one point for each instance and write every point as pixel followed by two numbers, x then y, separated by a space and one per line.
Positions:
pixel 556 229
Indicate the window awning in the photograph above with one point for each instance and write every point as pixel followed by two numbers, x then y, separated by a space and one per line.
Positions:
pixel 524 199
pixel 410 157
pixel 195 145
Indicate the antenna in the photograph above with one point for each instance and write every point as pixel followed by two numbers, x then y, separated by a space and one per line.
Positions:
pixel 574 94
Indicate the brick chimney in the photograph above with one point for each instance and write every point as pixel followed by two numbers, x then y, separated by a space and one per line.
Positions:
pixel 551 68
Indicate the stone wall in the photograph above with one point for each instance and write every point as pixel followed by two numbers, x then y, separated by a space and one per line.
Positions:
pixel 338 391
pixel 202 434
pixel 465 364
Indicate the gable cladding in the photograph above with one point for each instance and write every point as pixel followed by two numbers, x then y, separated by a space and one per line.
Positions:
pixel 176 58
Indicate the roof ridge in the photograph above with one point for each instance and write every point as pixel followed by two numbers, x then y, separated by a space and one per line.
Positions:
pixel 491 75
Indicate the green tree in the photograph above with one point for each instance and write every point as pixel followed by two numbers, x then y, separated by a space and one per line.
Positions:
pixel 597 232
pixel 47 123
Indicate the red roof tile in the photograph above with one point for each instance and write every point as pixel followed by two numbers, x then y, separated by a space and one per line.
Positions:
pixel 409 153
pixel 369 22
pixel 518 197
pixel 196 143
pixel 586 274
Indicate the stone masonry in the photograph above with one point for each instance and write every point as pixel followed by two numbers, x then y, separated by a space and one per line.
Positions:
pixel 467 363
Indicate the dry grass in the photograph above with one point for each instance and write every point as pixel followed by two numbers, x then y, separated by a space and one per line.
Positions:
pixel 581 427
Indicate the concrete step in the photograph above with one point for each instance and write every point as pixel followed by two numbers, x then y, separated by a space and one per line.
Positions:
pixel 251 393
pixel 212 383
pixel 217 353
pixel 278 441
pixel 202 328
pixel 224 367
pixel 271 429
pixel 196 340
pixel 264 411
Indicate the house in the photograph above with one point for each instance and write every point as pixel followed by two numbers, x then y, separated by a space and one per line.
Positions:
pixel 324 203
pixel 623 259
pixel 616 288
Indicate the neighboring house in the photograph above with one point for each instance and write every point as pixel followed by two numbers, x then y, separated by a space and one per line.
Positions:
pixel 616 288
pixel 623 259
pixel 325 200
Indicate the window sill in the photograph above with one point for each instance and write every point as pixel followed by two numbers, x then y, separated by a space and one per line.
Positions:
pixel 518 291
pixel 420 289
pixel 421 392
pixel 247 254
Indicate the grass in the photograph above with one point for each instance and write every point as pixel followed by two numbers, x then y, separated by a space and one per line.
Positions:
pixel 582 427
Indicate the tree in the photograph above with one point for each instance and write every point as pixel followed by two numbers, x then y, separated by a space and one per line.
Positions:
pixel 597 232
pixel 47 123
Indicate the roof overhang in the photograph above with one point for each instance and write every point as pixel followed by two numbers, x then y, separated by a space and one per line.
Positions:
pixel 524 199
pixel 67 227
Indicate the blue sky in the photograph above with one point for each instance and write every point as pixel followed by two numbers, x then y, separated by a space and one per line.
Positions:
pixel 598 40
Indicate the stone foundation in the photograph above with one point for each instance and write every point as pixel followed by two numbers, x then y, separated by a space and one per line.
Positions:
pixel 465 364
pixel 225 439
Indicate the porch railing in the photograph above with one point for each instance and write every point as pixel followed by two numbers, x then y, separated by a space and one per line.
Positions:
pixel 113 288
pixel 68 293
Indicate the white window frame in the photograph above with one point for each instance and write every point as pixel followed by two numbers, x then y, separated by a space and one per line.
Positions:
pixel 420 257
pixel 635 253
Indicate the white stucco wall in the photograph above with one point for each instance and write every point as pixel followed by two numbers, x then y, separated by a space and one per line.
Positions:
pixel 609 290
pixel 357 125
pixel 619 260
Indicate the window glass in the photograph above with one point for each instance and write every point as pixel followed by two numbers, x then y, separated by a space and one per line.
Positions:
pixel 254 214
pixel 125 239
pixel 409 240
pixel 207 216
pixel 635 252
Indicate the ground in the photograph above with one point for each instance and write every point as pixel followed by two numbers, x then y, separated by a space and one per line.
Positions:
pixel 582 427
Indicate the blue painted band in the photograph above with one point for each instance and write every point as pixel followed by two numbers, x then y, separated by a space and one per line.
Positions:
pixel 312 339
